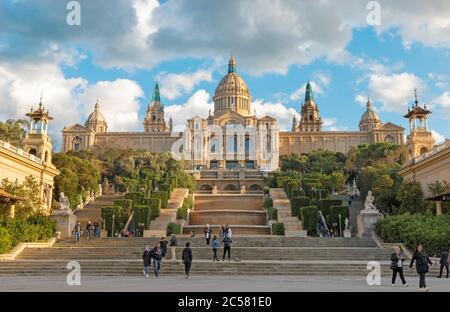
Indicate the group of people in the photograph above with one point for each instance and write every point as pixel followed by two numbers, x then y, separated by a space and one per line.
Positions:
pixel 159 252
pixel 422 262
pixel 224 240
pixel 92 230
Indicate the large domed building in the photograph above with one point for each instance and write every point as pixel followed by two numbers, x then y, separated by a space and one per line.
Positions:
pixel 232 136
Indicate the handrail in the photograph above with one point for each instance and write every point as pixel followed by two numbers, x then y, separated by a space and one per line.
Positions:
pixel 128 221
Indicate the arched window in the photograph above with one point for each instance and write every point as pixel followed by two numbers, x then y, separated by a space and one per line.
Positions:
pixel 33 152
pixel 423 150
pixel 46 156
pixel 310 117
pixel 76 143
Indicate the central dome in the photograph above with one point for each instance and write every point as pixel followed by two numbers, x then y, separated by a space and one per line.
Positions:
pixel 232 93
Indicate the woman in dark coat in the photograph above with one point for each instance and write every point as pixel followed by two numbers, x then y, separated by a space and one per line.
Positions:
pixel 397 259
pixel 147 259
pixel 422 265
pixel 444 262
pixel 186 257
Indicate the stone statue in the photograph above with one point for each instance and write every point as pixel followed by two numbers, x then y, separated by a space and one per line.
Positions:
pixel 64 203
pixel 346 222
pixel 368 204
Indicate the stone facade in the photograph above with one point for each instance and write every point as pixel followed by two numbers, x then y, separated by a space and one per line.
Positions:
pixel 214 142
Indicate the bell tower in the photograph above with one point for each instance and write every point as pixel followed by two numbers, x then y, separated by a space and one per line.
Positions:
pixel 310 118
pixel 37 142
pixel 154 121
pixel 420 140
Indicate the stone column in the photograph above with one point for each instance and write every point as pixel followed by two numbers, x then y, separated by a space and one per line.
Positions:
pixel 438 208
pixel 12 211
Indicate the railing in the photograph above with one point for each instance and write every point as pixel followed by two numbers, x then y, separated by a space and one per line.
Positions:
pixel 20 152
pixel 436 149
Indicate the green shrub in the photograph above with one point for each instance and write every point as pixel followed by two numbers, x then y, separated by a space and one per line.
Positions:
pixel 142 214
pixel 431 231
pixel 166 188
pixel 291 187
pixel 324 206
pixel 333 216
pixel 173 228
pixel 309 216
pixel 120 218
pixel 135 197
pixel 188 202
pixel 278 229
pixel 272 213
pixel 268 203
pixel 162 195
pixel 298 193
pixel 182 214
pixel 297 203
pixel 126 204
pixel 5 240
pixel 155 206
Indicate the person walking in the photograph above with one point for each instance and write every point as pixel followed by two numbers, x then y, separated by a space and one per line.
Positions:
pixel 422 261
pixel 207 232
pixel 173 246
pixel 77 232
pixel 397 259
pixel 227 232
pixel 444 261
pixel 96 229
pixel 186 257
pixel 147 259
pixel 226 247
pixel 163 245
pixel 156 255
pixel 89 229
pixel 221 232
pixel 215 245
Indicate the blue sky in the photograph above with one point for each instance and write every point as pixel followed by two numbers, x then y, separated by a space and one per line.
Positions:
pixel 121 47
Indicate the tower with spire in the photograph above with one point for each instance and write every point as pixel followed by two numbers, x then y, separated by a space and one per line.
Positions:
pixel 310 118
pixel 294 124
pixel 37 141
pixel 154 121
pixel 420 139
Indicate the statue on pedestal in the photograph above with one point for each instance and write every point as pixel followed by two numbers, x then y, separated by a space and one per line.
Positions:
pixel 346 222
pixel 368 204
pixel 64 203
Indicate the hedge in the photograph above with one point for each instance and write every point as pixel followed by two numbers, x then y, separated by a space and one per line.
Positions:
pixel 33 229
pixel 136 197
pixel 166 188
pixel 5 240
pixel 126 204
pixel 120 218
pixel 333 216
pixel 155 206
pixel 433 232
pixel 298 193
pixel 161 195
pixel 324 206
pixel 142 214
pixel 188 202
pixel 309 216
pixel 291 187
pixel 278 229
pixel 182 214
pixel 173 228
pixel 268 203
pixel 272 214
pixel 297 203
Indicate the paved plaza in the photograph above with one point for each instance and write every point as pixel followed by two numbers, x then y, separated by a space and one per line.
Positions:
pixel 210 283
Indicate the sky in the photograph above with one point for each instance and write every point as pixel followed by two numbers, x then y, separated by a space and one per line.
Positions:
pixel 350 50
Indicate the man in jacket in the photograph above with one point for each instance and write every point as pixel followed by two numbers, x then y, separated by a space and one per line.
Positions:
pixel 155 253
pixel 186 257
pixel 226 247
pixel 444 262
pixel 422 262
pixel 397 266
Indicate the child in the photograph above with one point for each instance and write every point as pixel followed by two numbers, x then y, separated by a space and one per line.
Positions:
pixel 215 244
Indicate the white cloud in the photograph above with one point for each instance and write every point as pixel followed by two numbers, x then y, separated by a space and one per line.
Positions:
pixel 69 100
pixel 119 102
pixel 438 137
pixel 442 102
pixel 283 114
pixel 173 86
pixel 361 100
pixel 197 105
pixel 395 91
pixel 331 124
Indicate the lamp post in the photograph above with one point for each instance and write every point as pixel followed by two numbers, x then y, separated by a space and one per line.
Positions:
pixel 340 230
pixel 112 225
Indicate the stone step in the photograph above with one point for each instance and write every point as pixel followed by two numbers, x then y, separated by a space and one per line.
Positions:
pixel 236 229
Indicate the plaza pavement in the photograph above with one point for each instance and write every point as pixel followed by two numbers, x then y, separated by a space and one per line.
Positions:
pixel 217 283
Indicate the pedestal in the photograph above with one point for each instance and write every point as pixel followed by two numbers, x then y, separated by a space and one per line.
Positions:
pixel 347 234
pixel 366 222
pixel 65 222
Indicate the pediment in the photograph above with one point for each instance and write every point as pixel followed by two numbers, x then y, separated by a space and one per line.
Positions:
pixel 390 126
pixel 76 127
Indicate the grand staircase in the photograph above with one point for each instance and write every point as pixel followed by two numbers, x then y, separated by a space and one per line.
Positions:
pixel 93 210
pixel 251 255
